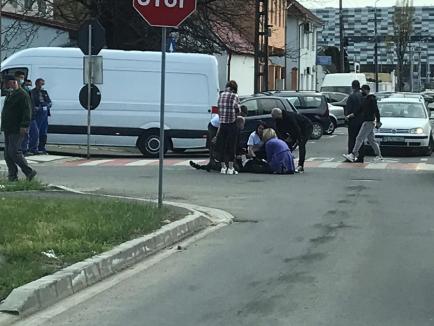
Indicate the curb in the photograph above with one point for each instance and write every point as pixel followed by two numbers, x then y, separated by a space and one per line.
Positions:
pixel 50 289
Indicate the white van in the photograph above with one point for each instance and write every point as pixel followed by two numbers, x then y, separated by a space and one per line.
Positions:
pixel 129 112
pixel 341 82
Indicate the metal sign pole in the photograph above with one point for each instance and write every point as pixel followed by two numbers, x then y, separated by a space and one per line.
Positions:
pixel 89 93
pixel 163 90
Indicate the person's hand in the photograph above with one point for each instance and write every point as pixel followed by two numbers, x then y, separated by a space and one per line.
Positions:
pixel 23 131
pixel 378 125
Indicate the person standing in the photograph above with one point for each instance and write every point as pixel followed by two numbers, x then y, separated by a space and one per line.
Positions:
pixel 370 117
pixel 295 129
pixel 229 109
pixel 353 105
pixel 42 104
pixel 15 120
pixel 25 146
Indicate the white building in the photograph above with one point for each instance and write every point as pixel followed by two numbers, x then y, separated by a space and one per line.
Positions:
pixel 301 47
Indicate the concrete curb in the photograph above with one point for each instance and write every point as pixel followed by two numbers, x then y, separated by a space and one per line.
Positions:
pixel 48 290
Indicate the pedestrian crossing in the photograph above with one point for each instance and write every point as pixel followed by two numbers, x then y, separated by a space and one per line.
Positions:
pixel 418 164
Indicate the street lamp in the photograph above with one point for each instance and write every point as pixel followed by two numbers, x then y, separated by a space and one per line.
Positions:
pixel 376 47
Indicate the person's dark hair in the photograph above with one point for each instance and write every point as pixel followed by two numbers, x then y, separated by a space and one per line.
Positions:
pixel 366 88
pixel 19 73
pixel 261 123
pixel 244 110
pixel 355 85
pixel 39 80
pixel 232 84
pixel 9 78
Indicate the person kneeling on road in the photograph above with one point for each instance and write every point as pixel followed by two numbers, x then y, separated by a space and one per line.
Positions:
pixel 279 157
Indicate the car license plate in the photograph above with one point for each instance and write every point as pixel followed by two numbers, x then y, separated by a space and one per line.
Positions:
pixel 393 140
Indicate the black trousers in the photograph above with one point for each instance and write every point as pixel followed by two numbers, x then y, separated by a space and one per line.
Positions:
pixel 302 145
pixel 14 156
pixel 227 142
pixel 353 130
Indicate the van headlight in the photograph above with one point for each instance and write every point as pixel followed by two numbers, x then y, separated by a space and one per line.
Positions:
pixel 417 131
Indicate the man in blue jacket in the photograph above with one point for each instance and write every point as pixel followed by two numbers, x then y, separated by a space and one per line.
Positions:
pixel 42 105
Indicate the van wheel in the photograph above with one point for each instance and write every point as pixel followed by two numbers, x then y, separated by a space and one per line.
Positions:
pixel 318 131
pixel 149 144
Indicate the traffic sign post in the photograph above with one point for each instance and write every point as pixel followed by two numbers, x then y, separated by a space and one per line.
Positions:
pixel 91 40
pixel 164 13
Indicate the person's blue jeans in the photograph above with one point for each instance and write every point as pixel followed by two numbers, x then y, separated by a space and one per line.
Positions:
pixel 31 138
pixel 42 124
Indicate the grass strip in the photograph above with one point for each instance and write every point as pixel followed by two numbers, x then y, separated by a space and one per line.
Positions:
pixel 40 235
pixel 20 185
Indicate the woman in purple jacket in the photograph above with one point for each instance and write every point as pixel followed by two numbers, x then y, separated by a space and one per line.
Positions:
pixel 279 157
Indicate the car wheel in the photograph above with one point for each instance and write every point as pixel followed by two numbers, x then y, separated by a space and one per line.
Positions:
pixel 149 144
pixel 430 148
pixel 331 129
pixel 317 131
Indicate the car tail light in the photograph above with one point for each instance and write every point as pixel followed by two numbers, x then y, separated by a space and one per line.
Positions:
pixel 214 110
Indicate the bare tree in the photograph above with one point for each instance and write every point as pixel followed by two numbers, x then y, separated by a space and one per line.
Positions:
pixel 403 28
pixel 205 31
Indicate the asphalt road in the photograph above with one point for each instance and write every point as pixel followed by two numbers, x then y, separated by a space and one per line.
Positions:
pixel 334 247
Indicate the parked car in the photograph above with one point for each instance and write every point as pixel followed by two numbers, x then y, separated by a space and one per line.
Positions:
pixel 314 106
pixel 259 109
pixel 333 97
pixel 406 124
pixel 337 115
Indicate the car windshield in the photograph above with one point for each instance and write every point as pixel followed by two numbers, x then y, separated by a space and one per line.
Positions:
pixel 312 102
pixel 337 89
pixel 402 110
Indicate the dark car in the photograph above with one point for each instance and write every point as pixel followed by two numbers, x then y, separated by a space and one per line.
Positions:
pixel 314 106
pixel 259 109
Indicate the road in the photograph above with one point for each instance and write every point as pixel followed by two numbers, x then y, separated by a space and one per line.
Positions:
pixel 335 246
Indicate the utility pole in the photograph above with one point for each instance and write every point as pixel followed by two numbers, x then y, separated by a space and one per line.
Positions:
pixel 341 39
pixel 419 70
pixel 376 47
pixel 411 70
pixel 261 45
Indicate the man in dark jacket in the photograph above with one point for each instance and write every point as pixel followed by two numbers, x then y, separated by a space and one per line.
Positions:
pixel 42 105
pixel 15 120
pixel 370 117
pixel 353 104
pixel 295 129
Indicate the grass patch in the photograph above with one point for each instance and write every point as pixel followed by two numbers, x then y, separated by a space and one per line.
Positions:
pixel 67 230
pixel 21 185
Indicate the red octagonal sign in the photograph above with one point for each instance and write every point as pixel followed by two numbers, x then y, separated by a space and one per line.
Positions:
pixel 165 13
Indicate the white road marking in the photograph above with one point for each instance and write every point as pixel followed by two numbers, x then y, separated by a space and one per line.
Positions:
pixel 424 159
pixel 329 165
pixel 141 163
pixel 425 167
pixel 377 166
pixel 331 136
pixel 323 159
pixel 95 163
pixel 46 158
pixel 187 163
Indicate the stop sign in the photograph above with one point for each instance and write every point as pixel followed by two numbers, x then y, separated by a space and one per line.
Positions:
pixel 165 13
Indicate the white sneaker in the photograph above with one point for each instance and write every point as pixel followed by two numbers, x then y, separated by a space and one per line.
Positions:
pixel 350 157
pixel 224 170
pixel 378 158
pixel 232 171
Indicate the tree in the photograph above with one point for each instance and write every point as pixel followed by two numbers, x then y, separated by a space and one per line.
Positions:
pixel 127 30
pixel 403 28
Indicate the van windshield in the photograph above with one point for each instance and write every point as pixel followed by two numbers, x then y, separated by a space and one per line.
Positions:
pixel 337 89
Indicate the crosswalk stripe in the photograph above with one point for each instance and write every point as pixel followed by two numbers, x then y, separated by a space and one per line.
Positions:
pixel 95 163
pixel 142 163
pixel 425 167
pixel 187 163
pixel 330 165
pixel 377 166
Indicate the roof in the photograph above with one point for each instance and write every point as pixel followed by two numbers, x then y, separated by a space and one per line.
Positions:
pixel 295 9
pixel 112 54
pixel 41 21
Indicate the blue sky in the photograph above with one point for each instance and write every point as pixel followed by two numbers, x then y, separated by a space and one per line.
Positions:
pixel 359 3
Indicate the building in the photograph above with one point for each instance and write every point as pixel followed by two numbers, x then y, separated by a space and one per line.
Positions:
pixel 301 47
pixel 359 24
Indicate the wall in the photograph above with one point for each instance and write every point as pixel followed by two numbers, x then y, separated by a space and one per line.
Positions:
pixel 242 71
pixel 21 35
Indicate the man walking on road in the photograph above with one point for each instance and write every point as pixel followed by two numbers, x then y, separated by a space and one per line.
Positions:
pixel 353 105
pixel 370 117
pixel 15 120
pixel 229 109
pixel 295 129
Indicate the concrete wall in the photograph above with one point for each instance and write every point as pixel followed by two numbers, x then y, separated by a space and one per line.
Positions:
pixel 242 70
pixel 19 35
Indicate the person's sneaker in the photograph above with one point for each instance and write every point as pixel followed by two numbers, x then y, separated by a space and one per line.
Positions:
pixel 224 170
pixel 378 158
pixel 350 157
pixel 31 176
pixel 12 179
pixel 299 169
pixel 232 171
